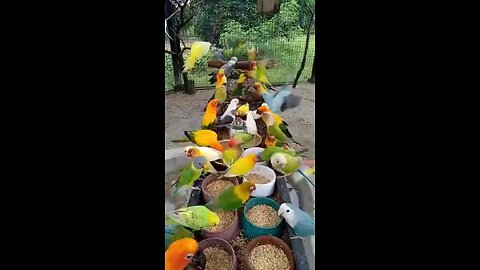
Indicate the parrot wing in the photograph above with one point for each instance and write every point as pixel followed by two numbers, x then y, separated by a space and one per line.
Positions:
pixel 198 50
pixel 277 133
pixel 284 129
pixel 227 201
pixel 189 217
pixel 229 156
pixel 241 167
pixel 227 120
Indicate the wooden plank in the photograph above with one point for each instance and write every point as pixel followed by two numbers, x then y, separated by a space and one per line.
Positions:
pixel 245 65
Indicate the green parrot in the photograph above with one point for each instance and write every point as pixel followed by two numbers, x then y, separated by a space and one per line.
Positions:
pixel 271 150
pixel 232 198
pixel 174 232
pixel 230 154
pixel 191 173
pixel 195 217
pixel 287 164
pixel 243 137
pixel 273 128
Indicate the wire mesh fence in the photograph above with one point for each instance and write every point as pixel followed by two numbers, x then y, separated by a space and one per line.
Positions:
pixel 285 48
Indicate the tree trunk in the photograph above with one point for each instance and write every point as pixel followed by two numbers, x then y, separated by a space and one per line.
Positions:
pixel 302 66
pixel 177 60
pixel 312 78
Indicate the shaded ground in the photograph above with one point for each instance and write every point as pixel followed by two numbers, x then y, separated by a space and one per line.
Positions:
pixel 184 112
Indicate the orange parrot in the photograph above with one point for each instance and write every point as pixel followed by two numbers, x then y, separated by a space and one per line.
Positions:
pixel 221 78
pixel 180 253
pixel 210 116
pixel 203 137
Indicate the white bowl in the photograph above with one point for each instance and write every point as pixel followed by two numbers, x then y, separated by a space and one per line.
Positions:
pixel 255 151
pixel 263 190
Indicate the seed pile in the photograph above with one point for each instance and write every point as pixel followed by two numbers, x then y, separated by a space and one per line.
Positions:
pixel 263 216
pixel 257 178
pixel 217 258
pixel 268 257
pixel 226 218
pixel 216 187
pixel 239 244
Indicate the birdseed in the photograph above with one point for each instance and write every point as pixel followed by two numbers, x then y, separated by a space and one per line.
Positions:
pixel 239 244
pixel 218 186
pixel 217 258
pixel 226 218
pixel 268 257
pixel 263 215
pixel 257 178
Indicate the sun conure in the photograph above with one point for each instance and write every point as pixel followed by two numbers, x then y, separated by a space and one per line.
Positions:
pixel 278 120
pixel 232 198
pixel 203 137
pixel 180 253
pixel 210 117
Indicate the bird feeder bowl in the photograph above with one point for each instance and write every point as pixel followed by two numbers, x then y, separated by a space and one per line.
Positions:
pixel 268 7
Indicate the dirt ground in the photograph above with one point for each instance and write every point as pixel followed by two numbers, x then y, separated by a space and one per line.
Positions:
pixel 184 112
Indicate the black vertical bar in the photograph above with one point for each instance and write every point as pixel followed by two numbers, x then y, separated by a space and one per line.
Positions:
pixel 312 78
pixel 174 43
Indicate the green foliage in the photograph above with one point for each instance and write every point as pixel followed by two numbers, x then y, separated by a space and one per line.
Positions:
pixel 169 81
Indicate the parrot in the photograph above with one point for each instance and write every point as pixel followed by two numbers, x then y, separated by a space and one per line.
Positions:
pixel 278 121
pixel 251 54
pixel 232 106
pixel 191 172
pixel 210 117
pixel 281 101
pixel 230 154
pixel 227 120
pixel 250 122
pixel 261 73
pixel 232 198
pixel 242 166
pixel 208 167
pixel 271 150
pixel 174 232
pixel 271 141
pixel 220 88
pixel 203 137
pixel 218 55
pixel 301 223
pixel 210 153
pixel 273 129
pixel 238 125
pixel 287 164
pixel 198 50
pixel 238 91
pixel 227 70
pixel 243 137
pixel 195 217
pixel 180 253
pixel 243 110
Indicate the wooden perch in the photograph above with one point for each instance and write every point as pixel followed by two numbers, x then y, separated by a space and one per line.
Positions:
pixel 245 65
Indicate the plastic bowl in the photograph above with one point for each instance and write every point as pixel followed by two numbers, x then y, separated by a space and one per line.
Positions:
pixel 251 230
pixel 228 233
pixel 210 178
pixel 210 242
pixel 263 240
pixel 256 151
pixel 263 190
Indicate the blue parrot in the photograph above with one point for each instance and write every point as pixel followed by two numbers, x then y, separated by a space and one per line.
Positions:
pixel 302 224
pixel 282 100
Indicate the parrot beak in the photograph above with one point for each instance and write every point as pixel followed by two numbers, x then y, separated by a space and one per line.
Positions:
pixel 280 211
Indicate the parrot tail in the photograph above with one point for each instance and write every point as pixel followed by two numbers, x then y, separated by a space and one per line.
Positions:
pixel 308 179
pixel 180 140
pixel 296 141
pixel 211 205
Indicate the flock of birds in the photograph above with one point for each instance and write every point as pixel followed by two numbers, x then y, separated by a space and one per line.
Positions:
pixel 181 249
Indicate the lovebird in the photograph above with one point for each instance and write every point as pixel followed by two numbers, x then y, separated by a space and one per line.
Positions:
pixel 278 121
pixel 208 167
pixel 287 164
pixel 198 50
pixel 231 153
pixel 232 198
pixel 210 153
pixel 174 232
pixel 301 223
pixel 195 217
pixel 190 173
pixel 243 138
pixel 271 150
pixel 241 167
pixel 203 137
pixel 261 73
pixel 282 100
pixel 274 130
pixel 243 110
pixel 180 253
pixel 210 117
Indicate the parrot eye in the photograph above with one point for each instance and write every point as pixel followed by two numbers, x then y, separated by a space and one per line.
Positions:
pixel 288 211
pixel 189 256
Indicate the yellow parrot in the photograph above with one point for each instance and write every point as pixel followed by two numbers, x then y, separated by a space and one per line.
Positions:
pixel 243 110
pixel 241 166
pixel 198 50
